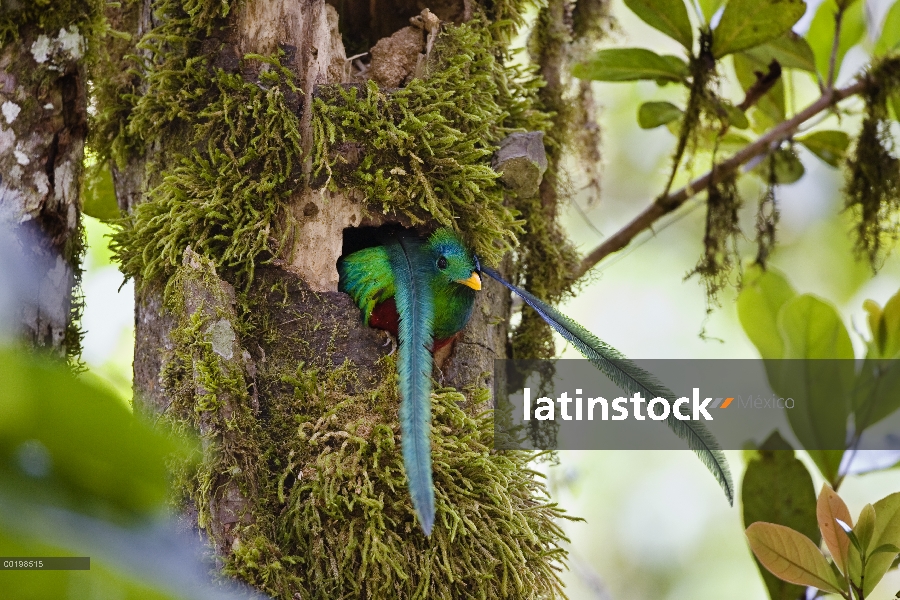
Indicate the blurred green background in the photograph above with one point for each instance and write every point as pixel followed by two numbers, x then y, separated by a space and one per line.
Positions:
pixel 656 525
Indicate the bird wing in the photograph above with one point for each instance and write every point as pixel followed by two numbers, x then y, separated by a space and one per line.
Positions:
pixel 368 278
pixel 415 306
pixel 632 379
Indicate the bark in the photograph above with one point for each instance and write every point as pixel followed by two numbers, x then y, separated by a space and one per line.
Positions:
pixel 42 134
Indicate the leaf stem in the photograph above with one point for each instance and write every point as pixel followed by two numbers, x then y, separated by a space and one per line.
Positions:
pixel 669 202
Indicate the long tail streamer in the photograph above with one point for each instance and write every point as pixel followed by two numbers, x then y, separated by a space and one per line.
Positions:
pixel 632 379
pixel 415 306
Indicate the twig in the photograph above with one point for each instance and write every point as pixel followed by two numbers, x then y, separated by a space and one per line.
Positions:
pixel 668 203
pixel 764 83
pixel 835 45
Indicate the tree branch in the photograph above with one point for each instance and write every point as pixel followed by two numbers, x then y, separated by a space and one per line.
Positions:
pixel 668 203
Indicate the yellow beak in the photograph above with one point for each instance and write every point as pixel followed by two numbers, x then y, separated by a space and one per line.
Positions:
pixel 473 282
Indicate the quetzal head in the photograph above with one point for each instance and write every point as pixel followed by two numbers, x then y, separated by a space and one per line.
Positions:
pixel 452 261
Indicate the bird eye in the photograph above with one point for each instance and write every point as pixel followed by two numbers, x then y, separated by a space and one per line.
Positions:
pixel 442 263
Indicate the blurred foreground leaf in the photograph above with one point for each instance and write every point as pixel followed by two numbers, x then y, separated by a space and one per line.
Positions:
pixel 81 476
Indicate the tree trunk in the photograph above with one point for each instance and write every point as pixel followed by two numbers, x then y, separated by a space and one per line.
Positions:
pixel 42 134
pixel 250 154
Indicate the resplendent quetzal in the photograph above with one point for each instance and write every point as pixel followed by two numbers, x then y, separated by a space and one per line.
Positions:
pixel 423 292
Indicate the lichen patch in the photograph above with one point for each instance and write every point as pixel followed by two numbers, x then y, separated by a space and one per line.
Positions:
pixel 10 111
pixel 221 336
pixel 40 49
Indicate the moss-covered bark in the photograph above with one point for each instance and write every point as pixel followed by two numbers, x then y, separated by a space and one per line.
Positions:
pixel 245 153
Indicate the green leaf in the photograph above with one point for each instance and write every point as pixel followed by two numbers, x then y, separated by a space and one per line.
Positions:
pixel 791 556
pixel 886 531
pixel 80 475
pixel 749 68
pixel 736 116
pixel 733 141
pixel 830 146
pixel 886 548
pixel 865 526
pixel 763 294
pixel 668 16
pixel 790 50
pixel 654 114
pixel 99 194
pixel 749 23
pixel 889 340
pixel 890 31
pixel 709 8
pixel 630 64
pixel 877 391
pixel 829 509
pixel 777 488
pixel 854 541
pixel 788 167
pixel 100 453
pixel 812 329
pixel 821 34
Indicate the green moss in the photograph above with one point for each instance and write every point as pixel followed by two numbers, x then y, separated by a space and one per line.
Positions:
pixel 227 193
pixel 322 469
pixel 74 252
pixel 50 16
pixel 427 147
pixel 873 181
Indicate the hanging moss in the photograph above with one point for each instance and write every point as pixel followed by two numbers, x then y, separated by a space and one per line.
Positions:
pixel 767 216
pixel 427 146
pixel 873 181
pixel 720 254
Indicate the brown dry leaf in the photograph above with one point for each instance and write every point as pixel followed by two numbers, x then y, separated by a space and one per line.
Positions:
pixel 828 508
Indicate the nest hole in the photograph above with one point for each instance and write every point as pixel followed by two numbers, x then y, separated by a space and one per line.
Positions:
pixel 363 22
pixel 366 236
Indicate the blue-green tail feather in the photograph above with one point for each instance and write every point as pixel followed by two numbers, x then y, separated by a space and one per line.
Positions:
pixel 632 379
pixel 415 306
